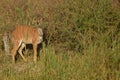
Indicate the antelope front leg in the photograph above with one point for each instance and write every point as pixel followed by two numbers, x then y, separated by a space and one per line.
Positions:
pixel 35 52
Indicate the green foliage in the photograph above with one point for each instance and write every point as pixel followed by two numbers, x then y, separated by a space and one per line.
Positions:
pixel 96 63
pixel 74 23
pixel 83 39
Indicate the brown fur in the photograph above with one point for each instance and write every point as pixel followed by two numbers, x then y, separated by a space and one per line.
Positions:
pixel 25 35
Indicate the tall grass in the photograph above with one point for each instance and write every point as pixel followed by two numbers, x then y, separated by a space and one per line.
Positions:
pixel 83 39
pixel 96 63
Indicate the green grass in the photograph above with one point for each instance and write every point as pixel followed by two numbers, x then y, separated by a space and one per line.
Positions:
pixel 83 39
pixel 97 63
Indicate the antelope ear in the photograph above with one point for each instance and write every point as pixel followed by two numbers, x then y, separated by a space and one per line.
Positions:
pixel 40 31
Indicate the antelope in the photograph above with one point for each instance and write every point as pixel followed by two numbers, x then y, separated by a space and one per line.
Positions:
pixel 23 35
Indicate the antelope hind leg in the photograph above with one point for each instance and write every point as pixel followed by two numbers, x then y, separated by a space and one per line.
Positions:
pixel 20 51
pixel 13 52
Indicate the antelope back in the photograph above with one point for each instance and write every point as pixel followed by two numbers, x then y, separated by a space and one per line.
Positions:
pixel 26 34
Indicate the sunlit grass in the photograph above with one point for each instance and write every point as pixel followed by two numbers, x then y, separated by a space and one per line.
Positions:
pixel 95 63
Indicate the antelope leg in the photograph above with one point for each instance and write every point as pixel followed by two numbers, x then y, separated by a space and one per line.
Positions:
pixel 20 51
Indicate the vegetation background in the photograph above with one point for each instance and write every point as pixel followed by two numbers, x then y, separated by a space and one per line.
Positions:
pixel 83 39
